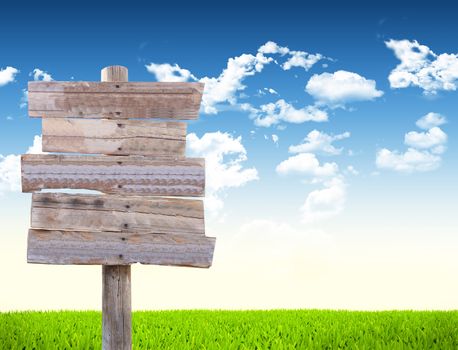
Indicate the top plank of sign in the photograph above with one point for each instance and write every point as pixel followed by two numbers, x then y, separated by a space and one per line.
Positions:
pixel 115 100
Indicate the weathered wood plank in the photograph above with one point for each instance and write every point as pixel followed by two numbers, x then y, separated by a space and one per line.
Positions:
pixel 118 248
pixel 115 137
pixel 63 211
pixel 115 99
pixel 116 308
pixel 114 174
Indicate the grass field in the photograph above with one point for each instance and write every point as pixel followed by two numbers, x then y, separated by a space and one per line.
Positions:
pixel 279 329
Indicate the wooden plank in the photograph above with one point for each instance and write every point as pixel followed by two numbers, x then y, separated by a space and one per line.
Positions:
pixel 63 211
pixel 116 308
pixel 115 137
pixel 114 174
pixel 115 99
pixel 118 248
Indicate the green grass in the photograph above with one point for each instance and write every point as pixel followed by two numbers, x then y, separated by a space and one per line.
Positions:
pixel 279 329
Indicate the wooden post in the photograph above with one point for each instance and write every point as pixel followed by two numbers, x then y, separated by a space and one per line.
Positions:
pixel 116 287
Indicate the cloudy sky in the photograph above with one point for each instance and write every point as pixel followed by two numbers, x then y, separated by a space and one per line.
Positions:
pixel 329 133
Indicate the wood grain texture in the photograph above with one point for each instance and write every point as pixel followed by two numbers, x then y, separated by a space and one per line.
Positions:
pixel 114 174
pixel 114 137
pixel 114 73
pixel 118 248
pixel 116 287
pixel 116 308
pixel 63 211
pixel 115 99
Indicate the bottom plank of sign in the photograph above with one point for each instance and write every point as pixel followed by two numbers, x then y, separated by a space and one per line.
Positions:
pixel 118 248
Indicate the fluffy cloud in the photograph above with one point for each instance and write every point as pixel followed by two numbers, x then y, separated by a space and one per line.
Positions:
pixel 351 170
pixel 275 139
pixel 24 98
pixel 306 164
pixel 421 67
pixel 274 113
pixel 300 59
pixel 336 89
pixel 317 141
pixel 329 200
pixel 7 75
pixel 220 89
pixel 271 47
pixel 170 73
pixel 431 120
pixel 39 74
pixel 223 88
pixel 10 168
pixel 424 149
pixel 224 157
pixel 434 138
pixel 324 203
pixel 267 90
pixel 409 161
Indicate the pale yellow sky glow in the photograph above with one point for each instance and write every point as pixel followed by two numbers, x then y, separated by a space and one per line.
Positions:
pixel 263 265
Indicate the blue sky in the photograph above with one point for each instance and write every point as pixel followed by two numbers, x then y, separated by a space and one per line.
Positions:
pixel 369 197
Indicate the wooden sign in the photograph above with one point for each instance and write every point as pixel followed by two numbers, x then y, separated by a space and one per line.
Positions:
pixel 114 100
pixel 118 248
pixel 63 211
pixel 134 163
pixel 114 137
pixel 114 174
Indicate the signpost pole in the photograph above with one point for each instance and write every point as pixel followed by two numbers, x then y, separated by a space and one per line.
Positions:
pixel 116 287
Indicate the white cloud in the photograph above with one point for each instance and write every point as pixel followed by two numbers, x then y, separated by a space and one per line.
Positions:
pixel 271 47
pixel 267 90
pixel 434 138
pixel 351 170
pixel 324 203
pixel 169 73
pixel 218 90
pixel 275 139
pixel 274 113
pixel 410 161
pixel 7 75
pixel 317 141
pixel 10 168
pixel 223 89
pixel 424 149
pixel 24 98
pixel 421 67
pixel 301 59
pixel 307 164
pixel 36 147
pixel 10 173
pixel 224 157
pixel 39 74
pixel 296 58
pixel 431 120
pixel 336 89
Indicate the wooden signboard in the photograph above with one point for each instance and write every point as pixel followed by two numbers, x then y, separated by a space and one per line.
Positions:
pixel 137 164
